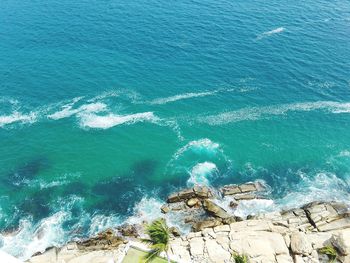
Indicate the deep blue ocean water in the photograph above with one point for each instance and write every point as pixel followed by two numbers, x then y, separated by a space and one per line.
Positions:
pixel 108 106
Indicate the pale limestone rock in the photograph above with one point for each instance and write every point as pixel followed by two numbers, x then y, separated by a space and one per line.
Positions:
pixel 194 234
pixel 341 241
pixel 180 252
pixel 335 225
pixel 223 239
pixel 196 246
pixel 252 225
pixel 208 232
pixel 222 228
pixel 300 244
pixel 259 245
pixel 287 240
pixel 319 239
pixel 49 256
pixel 298 259
pixel 284 259
pixel 216 253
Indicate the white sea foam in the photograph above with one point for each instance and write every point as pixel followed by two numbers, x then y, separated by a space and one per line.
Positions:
pixel 148 209
pixel 182 97
pixel 17 117
pixel 68 110
pixel 256 113
pixel 324 186
pixel 111 120
pixel 202 173
pixel 190 95
pixel 271 32
pixel 199 146
pixel 32 238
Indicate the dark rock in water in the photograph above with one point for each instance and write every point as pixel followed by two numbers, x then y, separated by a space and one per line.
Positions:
pixel 165 209
pixel 175 231
pixel 127 230
pixel 243 189
pixel 203 192
pixel 186 194
pixel 214 209
pixel 233 204
pixel 200 225
pixel 193 202
pixel 105 240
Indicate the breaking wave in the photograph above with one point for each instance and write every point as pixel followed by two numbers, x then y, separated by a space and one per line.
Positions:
pixel 202 173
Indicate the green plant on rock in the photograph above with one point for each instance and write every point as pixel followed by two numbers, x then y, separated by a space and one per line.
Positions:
pixel 159 234
pixel 240 258
pixel 330 252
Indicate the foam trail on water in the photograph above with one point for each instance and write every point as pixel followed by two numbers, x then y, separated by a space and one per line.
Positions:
pixel 17 117
pixel 271 32
pixel 256 113
pixel 190 95
pixel 111 120
pixel 182 97
pixel 201 174
pixel 68 110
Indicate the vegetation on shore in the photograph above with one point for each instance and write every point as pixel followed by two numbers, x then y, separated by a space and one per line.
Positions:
pixel 159 235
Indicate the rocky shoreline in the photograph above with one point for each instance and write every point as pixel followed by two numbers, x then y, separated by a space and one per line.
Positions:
pixel 295 235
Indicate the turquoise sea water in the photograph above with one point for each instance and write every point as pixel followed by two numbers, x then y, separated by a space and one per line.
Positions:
pixel 108 106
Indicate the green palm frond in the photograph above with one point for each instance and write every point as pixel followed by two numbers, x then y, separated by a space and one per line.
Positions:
pixel 158 233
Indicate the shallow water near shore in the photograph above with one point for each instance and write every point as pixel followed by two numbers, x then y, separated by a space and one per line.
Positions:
pixel 107 107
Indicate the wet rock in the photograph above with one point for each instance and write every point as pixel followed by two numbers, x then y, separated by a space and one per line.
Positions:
pixel 247 196
pixel 203 192
pixel 198 192
pixel 105 240
pixel 165 209
pixel 230 190
pixel 214 209
pixel 175 231
pixel 200 225
pixel 233 204
pixel 249 187
pixel 192 202
pixel 127 230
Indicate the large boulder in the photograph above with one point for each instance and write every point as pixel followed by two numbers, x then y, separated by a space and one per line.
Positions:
pixel 341 241
pixel 209 223
pixel 300 244
pixel 215 210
